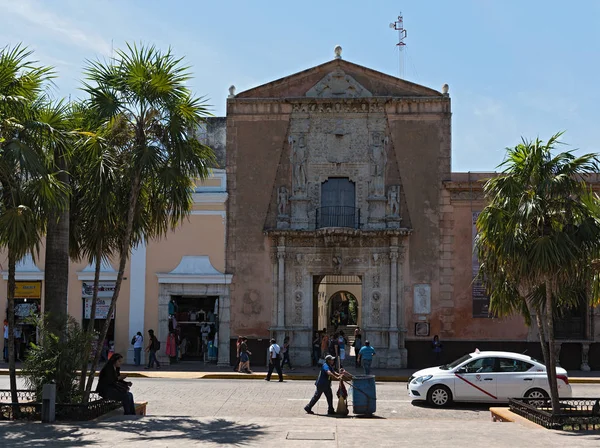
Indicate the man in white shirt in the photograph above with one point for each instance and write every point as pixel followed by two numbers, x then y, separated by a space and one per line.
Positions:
pixel 274 360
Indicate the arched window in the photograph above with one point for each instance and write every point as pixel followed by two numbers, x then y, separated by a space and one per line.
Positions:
pixel 343 309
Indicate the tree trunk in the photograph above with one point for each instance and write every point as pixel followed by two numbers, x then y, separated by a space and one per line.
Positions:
pixel 12 265
pixel 124 249
pixel 551 364
pixel 56 273
pixel 90 329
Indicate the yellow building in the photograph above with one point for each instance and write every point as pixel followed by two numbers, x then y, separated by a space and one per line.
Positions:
pixel 187 265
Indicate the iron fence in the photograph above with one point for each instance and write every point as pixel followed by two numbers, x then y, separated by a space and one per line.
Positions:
pixel 29 409
pixel 576 414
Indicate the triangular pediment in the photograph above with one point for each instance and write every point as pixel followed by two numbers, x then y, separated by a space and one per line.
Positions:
pixel 338 78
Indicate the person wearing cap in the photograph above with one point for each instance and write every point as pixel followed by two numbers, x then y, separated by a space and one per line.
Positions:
pixel 365 355
pixel 323 384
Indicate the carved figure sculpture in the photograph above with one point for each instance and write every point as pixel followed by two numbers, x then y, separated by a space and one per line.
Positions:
pixel 298 158
pixel 282 201
pixel 393 201
pixel 378 156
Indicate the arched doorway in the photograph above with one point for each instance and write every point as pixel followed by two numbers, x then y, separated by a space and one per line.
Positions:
pixel 343 309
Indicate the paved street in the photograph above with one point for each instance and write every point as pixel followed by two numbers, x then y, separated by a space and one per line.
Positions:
pixel 186 412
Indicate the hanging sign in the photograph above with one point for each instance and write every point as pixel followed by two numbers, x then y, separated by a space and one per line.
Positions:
pixel 105 293
pixel 28 290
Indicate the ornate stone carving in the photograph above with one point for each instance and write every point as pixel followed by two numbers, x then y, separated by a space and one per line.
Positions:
pixel 298 159
pixel 376 308
pixel 356 260
pixel 338 84
pixel 298 278
pixel 342 107
pixel 376 278
pixel 251 302
pixel 298 298
pixel 474 195
pixel 337 263
pixel 282 201
pixel 393 201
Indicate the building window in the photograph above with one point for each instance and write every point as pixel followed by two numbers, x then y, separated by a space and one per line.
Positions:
pixel 338 204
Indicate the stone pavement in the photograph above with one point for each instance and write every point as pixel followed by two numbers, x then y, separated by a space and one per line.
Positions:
pixel 196 370
pixel 316 431
pixel 190 412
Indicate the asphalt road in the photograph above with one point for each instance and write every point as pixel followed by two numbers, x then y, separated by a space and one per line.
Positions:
pixel 258 399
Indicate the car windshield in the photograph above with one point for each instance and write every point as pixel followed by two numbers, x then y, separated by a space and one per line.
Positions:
pixel 458 362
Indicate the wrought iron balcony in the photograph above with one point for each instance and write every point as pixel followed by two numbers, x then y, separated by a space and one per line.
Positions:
pixel 337 216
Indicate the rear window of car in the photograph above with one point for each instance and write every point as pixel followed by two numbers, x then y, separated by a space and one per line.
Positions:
pixel 513 365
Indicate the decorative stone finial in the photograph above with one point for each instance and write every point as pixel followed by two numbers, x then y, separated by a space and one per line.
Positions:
pixel 231 92
pixel 338 51
pixel 445 89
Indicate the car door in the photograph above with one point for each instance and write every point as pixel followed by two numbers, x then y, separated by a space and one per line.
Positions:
pixel 514 378
pixel 476 380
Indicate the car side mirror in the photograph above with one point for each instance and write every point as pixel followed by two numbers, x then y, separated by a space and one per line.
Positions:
pixel 462 370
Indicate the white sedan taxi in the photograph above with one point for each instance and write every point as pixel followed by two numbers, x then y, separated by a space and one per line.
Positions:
pixel 485 377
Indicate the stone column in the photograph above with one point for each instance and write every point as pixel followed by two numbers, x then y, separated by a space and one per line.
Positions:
pixel 401 311
pixel 585 350
pixel 393 351
pixel 281 283
pixel 137 297
pixel 224 327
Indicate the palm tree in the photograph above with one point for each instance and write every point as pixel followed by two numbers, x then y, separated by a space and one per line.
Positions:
pixel 538 238
pixel 143 103
pixel 23 180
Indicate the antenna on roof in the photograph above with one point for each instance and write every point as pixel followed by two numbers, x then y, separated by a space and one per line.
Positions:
pixel 398 25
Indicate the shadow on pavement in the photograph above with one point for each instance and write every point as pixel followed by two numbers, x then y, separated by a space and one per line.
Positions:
pixel 174 429
pixel 123 430
pixel 35 435
pixel 475 407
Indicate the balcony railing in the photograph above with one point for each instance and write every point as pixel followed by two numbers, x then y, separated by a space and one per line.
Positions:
pixel 337 216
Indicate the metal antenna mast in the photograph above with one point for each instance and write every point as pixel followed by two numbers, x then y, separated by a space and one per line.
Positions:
pixel 398 25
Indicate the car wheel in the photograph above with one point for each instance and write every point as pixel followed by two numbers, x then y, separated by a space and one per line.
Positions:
pixel 439 396
pixel 540 394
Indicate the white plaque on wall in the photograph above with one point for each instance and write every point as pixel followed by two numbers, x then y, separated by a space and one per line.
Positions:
pixel 422 299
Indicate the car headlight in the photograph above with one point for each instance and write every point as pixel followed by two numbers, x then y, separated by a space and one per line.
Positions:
pixel 422 379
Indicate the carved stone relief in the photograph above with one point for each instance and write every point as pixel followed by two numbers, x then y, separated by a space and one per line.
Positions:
pixel 251 302
pixel 282 201
pixel 298 158
pixel 298 298
pixel 393 201
pixel 338 84
pixel 376 308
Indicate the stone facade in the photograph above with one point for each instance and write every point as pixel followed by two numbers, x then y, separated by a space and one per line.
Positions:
pixel 385 139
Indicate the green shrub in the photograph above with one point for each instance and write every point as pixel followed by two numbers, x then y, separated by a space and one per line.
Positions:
pixel 56 358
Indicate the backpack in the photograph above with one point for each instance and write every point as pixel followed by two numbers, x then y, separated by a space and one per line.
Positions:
pixel 133 340
pixel 156 344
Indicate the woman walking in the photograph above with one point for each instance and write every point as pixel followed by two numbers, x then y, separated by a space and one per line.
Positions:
pixel 138 344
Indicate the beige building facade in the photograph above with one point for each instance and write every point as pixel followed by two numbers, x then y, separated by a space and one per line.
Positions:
pixel 188 265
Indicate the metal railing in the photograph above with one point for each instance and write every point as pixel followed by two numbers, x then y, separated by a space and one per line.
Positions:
pixel 576 414
pixel 337 216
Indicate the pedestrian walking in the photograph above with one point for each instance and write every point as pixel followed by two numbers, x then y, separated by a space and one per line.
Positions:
pixel 274 361
pixel 365 355
pixel 342 341
pixel 244 366
pixel 285 350
pixel 237 353
pixel 436 346
pixel 316 344
pixel 323 383
pixel 152 348
pixel 324 344
pixel 357 344
pixel 138 345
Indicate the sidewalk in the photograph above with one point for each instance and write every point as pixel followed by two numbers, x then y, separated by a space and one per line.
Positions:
pixel 200 370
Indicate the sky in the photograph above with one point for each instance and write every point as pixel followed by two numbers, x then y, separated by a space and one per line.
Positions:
pixel 515 68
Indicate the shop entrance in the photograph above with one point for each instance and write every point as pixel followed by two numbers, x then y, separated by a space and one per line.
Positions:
pixel 193 321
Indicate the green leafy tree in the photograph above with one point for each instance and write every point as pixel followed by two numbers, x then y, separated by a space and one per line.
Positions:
pixel 142 101
pixel 539 237
pixel 25 186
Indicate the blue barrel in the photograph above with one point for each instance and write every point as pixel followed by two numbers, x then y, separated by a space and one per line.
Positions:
pixel 364 396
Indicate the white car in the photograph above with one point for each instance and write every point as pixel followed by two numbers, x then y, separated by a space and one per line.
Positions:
pixel 485 377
